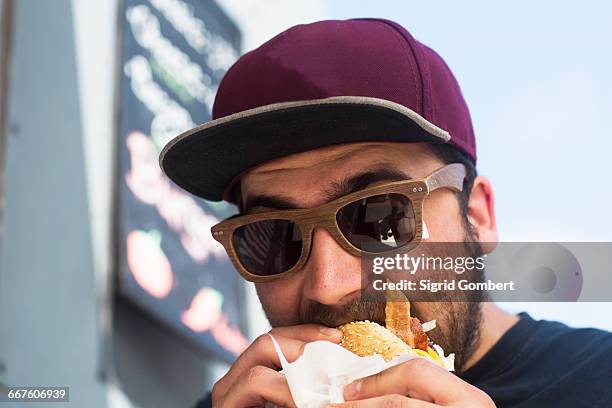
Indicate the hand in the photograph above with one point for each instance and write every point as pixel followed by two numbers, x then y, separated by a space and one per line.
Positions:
pixel 253 379
pixel 416 383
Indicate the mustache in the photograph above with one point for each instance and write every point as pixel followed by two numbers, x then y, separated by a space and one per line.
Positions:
pixel 336 315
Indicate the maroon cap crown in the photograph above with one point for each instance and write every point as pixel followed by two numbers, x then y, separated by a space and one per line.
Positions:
pixel 360 57
pixel 316 85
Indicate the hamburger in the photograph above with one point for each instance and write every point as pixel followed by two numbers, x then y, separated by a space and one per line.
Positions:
pixel 402 334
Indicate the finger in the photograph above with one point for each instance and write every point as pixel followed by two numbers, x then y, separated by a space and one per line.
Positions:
pixel 416 378
pixel 308 332
pixel 393 400
pixel 255 387
pixel 262 352
pixel 291 340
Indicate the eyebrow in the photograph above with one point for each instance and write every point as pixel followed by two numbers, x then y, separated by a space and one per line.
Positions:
pixel 337 189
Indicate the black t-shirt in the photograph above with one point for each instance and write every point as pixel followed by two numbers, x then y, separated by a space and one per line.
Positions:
pixel 547 364
pixel 542 364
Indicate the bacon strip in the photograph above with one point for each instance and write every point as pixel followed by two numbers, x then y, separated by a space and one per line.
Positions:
pixel 421 341
pixel 398 320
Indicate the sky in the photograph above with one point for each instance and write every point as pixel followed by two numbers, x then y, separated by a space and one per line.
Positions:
pixel 536 78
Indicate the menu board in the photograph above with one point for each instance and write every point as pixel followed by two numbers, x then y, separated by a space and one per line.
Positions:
pixel 173 56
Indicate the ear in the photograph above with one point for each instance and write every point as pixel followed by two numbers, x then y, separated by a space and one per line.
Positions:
pixel 481 213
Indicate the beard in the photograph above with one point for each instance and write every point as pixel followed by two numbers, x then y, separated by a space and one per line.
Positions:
pixel 458 319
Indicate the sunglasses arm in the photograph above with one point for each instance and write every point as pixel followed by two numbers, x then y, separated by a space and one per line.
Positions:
pixel 450 176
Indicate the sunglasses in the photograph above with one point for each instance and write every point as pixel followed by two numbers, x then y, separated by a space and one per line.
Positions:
pixel 377 220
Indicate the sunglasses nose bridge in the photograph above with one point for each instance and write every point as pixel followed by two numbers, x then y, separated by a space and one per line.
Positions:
pixel 331 226
pixel 310 238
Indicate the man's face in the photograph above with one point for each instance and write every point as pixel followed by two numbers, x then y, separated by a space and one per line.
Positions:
pixel 327 289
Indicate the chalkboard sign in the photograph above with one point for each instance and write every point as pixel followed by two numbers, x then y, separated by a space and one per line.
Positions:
pixel 173 56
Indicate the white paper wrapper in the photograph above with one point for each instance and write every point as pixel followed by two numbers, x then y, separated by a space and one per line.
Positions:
pixel 319 375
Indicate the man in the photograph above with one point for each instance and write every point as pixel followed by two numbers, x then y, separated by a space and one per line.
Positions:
pixel 330 109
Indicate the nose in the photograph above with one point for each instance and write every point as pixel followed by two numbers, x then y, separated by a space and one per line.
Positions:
pixel 331 274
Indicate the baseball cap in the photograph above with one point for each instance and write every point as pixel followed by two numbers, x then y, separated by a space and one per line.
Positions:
pixel 316 85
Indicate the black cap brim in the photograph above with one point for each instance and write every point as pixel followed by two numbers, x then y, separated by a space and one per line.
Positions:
pixel 207 160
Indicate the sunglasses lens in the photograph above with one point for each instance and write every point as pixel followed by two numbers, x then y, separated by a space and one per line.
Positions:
pixel 268 247
pixel 378 223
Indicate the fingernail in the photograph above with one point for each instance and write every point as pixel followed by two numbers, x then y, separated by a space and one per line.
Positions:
pixel 330 332
pixel 351 391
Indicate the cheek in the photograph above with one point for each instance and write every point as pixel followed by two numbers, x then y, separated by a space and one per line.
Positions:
pixel 442 215
pixel 281 300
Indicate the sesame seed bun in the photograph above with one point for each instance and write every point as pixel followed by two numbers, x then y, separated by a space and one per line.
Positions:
pixel 368 338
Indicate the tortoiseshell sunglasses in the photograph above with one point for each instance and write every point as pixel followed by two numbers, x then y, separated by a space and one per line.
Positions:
pixel 376 220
